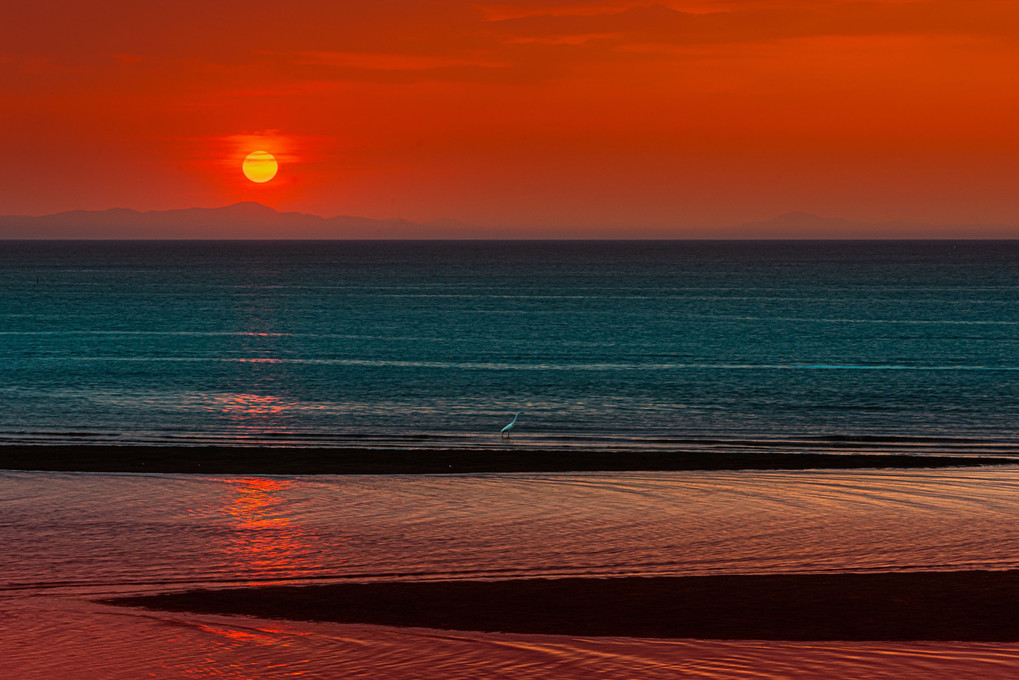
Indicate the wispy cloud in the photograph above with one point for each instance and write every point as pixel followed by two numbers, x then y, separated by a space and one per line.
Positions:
pixel 381 61
pixel 765 21
pixel 400 41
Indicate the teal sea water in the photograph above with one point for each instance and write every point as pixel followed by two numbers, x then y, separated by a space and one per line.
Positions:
pixel 686 345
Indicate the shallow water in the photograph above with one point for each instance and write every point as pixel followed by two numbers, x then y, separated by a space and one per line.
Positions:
pixel 96 643
pixel 103 530
pixel 70 537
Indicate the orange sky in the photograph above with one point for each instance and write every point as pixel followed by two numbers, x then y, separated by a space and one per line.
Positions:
pixel 594 117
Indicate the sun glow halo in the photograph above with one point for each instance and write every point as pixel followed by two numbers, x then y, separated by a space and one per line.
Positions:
pixel 260 166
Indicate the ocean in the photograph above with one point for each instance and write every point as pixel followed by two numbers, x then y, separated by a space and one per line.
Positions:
pixel 825 347
pixel 829 346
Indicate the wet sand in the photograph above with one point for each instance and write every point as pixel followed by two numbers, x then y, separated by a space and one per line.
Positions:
pixel 280 460
pixel 933 606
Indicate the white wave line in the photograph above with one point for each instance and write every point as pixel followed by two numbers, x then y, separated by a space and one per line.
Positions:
pixel 502 366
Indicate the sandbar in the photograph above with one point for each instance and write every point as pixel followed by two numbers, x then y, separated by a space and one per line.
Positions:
pixel 935 606
pixel 353 460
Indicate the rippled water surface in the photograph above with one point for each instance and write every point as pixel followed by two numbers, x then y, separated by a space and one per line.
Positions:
pixel 438 344
pixel 829 347
pixel 96 530
pixel 69 537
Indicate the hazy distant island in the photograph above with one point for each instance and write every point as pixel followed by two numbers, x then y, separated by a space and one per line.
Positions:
pixel 247 220
pixel 250 220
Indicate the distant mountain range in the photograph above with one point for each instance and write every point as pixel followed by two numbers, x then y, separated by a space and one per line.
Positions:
pixel 255 221
pixel 239 221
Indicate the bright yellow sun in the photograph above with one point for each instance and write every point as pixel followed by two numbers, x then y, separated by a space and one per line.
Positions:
pixel 259 166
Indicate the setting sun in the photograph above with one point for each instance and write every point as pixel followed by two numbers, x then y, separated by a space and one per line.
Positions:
pixel 260 166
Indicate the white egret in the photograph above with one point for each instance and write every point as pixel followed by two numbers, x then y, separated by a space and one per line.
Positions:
pixel 506 430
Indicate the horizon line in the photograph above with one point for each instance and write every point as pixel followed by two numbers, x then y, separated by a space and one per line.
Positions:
pixel 759 239
pixel 753 221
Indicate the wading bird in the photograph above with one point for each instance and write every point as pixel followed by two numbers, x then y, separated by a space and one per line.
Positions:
pixel 506 430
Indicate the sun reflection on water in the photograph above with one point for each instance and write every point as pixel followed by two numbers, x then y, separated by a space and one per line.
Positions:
pixel 246 406
pixel 254 414
pixel 265 539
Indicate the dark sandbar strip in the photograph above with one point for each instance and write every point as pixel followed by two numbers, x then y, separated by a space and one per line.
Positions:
pixel 962 606
pixel 339 461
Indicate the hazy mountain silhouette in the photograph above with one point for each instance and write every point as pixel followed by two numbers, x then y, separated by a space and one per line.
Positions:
pixel 239 221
